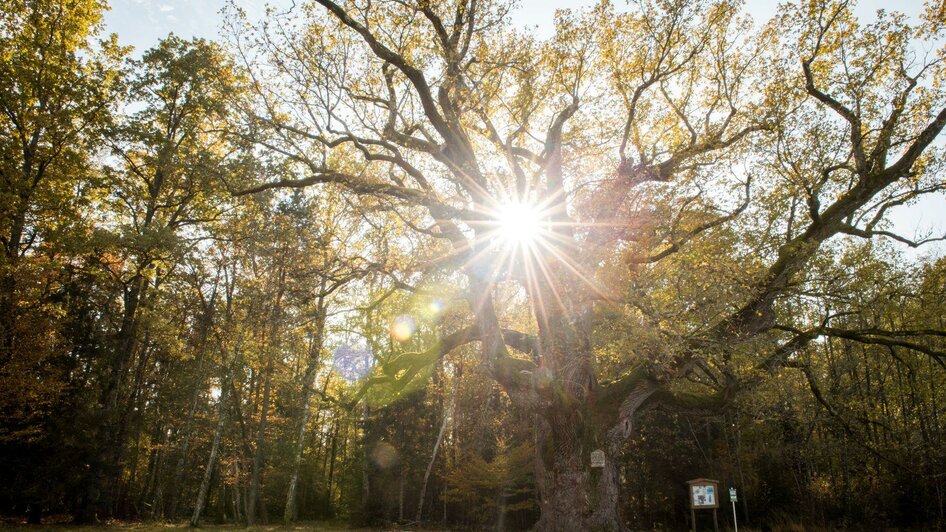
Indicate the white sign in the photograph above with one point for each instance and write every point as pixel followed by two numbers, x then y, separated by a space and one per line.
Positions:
pixel 597 458
pixel 703 496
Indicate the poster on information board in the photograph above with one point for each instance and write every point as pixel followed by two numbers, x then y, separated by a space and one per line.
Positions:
pixel 704 493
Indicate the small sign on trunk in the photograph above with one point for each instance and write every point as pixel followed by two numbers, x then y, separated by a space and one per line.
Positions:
pixel 597 458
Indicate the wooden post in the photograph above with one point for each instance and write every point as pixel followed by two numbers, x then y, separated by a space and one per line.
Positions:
pixel 693 519
pixel 715 521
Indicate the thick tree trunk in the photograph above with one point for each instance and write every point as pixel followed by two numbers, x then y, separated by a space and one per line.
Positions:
pixel 577 416
pixel 573 495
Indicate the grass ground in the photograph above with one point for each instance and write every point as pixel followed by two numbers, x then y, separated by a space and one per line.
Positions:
pixel 317 526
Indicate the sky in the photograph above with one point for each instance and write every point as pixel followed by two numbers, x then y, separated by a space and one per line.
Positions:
pixel 141 23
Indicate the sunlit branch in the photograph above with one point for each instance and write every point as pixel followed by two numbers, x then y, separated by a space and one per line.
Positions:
pixel 415 76
pixel 868 233
pixel 696 231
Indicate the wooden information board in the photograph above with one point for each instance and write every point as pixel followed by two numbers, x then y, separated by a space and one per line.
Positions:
pixel 703 494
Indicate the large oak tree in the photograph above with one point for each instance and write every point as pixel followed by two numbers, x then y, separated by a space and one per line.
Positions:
pixel 682 172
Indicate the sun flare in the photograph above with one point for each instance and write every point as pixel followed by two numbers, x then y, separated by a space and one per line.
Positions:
pixel 519 223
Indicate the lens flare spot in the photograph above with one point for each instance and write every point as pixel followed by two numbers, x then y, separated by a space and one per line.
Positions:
pixel 402 328
pixel 352 361
pixel 436 306
pixel 384 455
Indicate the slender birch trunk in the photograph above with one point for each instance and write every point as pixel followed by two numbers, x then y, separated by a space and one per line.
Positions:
pixel 315 350
pixel 448 413
pixel 212 460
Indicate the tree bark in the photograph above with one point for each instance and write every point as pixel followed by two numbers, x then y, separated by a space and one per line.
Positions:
pixel 259 455
pixel 105 468
pixel 365 460
pixel 573 495
pixel 237 494
pixel 12 252
pixel 195 398
pixel 576 416
pixel 331 467
pixel 315 350
pixel 157 500
pixel 212 460
pixel 179 466
pixel 448 413
pixel 8 311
